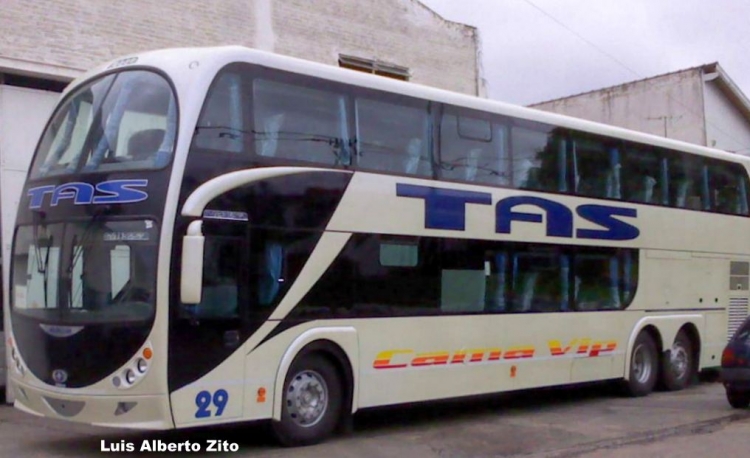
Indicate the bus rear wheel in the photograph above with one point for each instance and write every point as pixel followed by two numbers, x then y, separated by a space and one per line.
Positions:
pixel 311 402
pixel 677 365
pixel 643 366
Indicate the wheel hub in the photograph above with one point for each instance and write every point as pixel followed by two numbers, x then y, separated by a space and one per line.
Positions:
pixel 678 360
pixel 307 398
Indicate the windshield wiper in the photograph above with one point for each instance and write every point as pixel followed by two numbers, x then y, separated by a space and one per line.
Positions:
pixel 78 247
pixel 42 265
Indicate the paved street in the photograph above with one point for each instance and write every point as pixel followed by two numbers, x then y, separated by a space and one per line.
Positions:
pixel 587 422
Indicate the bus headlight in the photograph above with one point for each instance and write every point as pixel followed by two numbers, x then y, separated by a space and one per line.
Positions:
pixel 135 370
pixel 129 376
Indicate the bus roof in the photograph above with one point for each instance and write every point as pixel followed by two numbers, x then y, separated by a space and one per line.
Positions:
pixel 175 61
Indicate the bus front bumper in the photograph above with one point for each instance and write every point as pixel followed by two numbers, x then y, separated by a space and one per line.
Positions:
pixel 136 412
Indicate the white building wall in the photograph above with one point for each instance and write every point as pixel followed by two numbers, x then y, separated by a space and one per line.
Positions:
pixel 403 32
pixel 726 127
pixel 64 37
pixel 669 105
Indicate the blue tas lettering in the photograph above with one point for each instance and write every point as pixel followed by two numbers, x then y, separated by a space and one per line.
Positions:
pixel 446 209
pixel 106 192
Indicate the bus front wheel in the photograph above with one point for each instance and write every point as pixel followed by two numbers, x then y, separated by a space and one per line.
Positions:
pixel 311 402
pixel 643 366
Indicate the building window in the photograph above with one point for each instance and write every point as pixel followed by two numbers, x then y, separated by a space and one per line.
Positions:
pixel 375 67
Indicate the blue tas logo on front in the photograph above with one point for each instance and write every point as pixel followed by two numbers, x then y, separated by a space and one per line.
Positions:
pixel 446 209
pixel 106 192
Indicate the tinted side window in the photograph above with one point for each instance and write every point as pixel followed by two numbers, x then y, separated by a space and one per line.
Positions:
pixel 472 148
pixel 370 279
pixel 596 167
pixel 539 158
pixel 603 280
pixel 221 126
pixel 644 175
pixel 688 187
pixel 463 279
pixel 727 188
pixel 300 123
pixel 393 137
pixel 539 281
pixel 459 276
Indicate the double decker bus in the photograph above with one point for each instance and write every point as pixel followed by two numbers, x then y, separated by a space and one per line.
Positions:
pixel 220 234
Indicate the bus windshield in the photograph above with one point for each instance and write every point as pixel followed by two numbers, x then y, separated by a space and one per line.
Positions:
pixel 122 121
pixel 85 272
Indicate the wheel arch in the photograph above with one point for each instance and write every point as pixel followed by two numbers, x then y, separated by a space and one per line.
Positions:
pixel 663 329
pixel 337 344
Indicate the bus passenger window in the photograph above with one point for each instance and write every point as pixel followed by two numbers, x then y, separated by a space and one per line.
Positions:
pixel 473 149
pixel 221 126
pixel 538 163
pixel 540 282
pixel 596 167
pixel 597 282
pixel 728 188
pixel 299 123
pixel 393 138
pixel 643 175
pixel 462 290
pixel 686 183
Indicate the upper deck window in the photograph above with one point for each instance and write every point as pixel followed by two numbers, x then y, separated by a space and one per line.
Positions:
pixel 474 149
pixel 123 121
pixel 300 123
pixel 393 137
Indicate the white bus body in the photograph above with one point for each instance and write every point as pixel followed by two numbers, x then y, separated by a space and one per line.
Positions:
pixel 325 241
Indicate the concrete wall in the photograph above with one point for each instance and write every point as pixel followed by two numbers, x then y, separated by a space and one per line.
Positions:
pixel 669 105
pixel 403 32
pixel 64 37
pixel 726 127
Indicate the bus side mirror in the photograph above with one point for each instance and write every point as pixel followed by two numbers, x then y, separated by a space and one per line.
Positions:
pixel 191 274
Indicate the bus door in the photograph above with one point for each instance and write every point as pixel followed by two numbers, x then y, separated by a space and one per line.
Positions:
pixel 205 365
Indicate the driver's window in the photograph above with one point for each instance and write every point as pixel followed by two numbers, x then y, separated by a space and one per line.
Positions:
pixel 120 261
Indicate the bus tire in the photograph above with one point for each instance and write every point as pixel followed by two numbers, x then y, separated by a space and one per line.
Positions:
pixel 677 365
pixel 644 366
pixel 310 403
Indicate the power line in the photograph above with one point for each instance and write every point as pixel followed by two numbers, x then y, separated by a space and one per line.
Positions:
pixel 584 39
pixel 630 70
